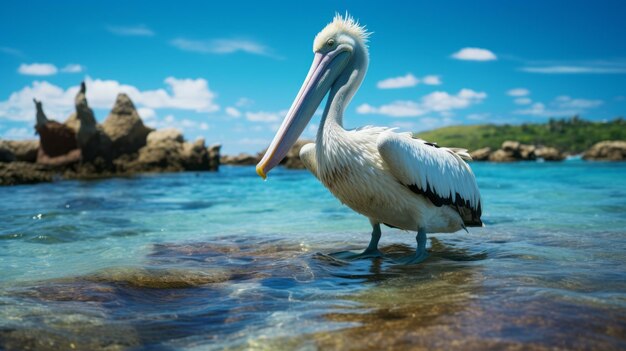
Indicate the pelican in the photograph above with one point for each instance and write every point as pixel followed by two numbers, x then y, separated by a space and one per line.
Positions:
pixel 389 177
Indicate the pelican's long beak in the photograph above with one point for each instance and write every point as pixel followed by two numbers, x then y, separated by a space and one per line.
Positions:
pixel 322 74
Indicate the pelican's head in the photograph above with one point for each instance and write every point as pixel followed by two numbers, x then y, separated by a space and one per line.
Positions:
pixel 341 56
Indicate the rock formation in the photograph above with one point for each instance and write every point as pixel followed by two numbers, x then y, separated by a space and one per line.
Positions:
pixel 502 156
pixel 481 154
pixel 167 151
pixel 195 156
pixel 292 160
pixel 124 127
pixel 214 156
pixel 24 173
pixel 18 150
pixel 57 146
pixel 512 151
pixel 242 159
pixel 609 150
pixel 94 144
pixel 549 154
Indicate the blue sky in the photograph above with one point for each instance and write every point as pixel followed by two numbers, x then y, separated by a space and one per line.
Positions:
pixel 228 71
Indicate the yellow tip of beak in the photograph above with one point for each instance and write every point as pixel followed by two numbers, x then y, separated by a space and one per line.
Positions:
pixel 259 171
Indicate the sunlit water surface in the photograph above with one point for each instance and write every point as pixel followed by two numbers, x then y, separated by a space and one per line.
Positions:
pixel 226 261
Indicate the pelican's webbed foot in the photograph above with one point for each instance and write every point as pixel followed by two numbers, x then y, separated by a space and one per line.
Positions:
pixel 420 254
pixel 349 255
pixel 371 251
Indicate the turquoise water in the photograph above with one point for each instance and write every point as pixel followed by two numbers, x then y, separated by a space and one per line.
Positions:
pixel 224 260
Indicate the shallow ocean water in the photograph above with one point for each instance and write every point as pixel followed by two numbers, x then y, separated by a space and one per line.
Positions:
pixel 224 260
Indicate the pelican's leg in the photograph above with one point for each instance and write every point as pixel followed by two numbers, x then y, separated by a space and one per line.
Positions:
pixel 420 253
pixel 370 252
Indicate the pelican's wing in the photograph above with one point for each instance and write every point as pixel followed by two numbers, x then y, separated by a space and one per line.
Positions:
pixel 307 155
pixel 438 173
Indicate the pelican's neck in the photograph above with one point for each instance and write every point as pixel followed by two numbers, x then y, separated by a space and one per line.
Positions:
pixel 340 95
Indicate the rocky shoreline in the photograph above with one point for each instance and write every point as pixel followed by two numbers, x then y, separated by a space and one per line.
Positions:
pixel 122 145
pixel 80 148
pixel 513 151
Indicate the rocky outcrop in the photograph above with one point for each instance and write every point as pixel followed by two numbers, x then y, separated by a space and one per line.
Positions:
pixel 94 144
pixel 502 156
pixel 214 156
pixel 166 151
pixel 549 154
pixel 18 150
pixel 125 128
pixel 82 149
pixel 481 154
pixel 57 146
pixel 242 159
pixel 24 173
pixel 163 152
pixel 292 160
pixel 609 150
pixel 519 151
pixel 512 151
pixel 195 156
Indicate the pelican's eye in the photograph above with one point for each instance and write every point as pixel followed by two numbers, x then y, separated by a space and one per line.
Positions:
pixel 330 42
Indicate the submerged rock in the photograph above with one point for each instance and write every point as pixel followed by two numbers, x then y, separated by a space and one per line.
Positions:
pixel 609 150
pixel 125 128
pixel 159 278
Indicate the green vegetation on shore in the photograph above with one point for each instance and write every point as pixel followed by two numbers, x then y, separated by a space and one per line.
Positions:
pixel 573 135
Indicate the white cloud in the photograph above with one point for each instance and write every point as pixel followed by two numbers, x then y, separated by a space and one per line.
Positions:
pixel 204 126
pixel 222 46
pixel 37 69
pixel 431 80
pixel 577 69
pixel 474 54
pixel 146 113
pixel 405 81
pixel 255 141
pixel 11 51
pixel 438 101
pixel 244 102
pixel 139 30
pixel 72 68
pixel 523 101
pixel 266 117
pixel 394 109
pixel 559 107
pixel 183 94
pixel 478 116
pixel 518 92
pixel 233 112
pixel 565 101
pixel 18 134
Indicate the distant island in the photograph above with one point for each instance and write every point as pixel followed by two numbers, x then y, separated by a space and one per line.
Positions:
pixel 571 136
